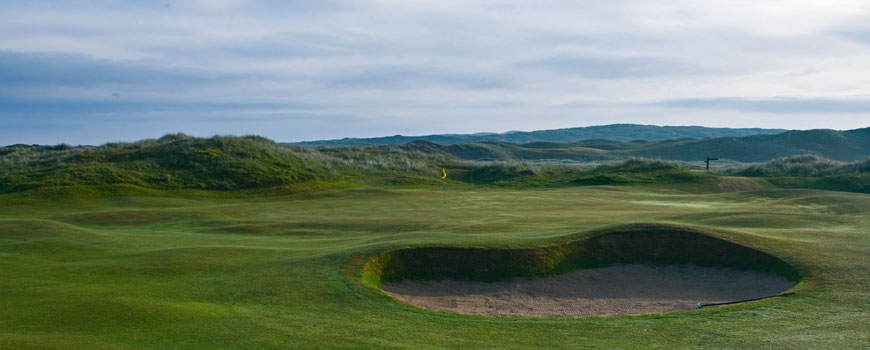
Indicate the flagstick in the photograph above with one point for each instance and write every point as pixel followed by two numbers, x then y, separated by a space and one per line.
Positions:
pixel 444 189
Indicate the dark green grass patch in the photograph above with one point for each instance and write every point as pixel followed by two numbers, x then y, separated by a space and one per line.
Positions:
pixel 751 219
pixel 118 218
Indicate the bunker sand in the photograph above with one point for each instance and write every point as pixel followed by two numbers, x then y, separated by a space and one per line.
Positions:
pixel 608 291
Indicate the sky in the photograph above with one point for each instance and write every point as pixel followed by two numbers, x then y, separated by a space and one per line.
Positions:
pixel 96 71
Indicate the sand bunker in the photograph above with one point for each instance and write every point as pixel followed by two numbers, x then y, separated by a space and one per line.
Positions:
pixel 607 291
pixel 629 269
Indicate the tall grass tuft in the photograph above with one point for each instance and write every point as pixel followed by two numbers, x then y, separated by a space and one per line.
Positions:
pixel 801 166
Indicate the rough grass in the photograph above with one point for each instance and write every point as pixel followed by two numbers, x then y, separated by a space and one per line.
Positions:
pixel 180 162
pixel 177 162
pixel 802 166
pixel 809 171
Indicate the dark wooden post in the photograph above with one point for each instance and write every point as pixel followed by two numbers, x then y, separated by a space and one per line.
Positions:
pixel 708 162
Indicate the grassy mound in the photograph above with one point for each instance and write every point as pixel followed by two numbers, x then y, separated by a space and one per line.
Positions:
pixel 634 171
pixel 181 162
pixel 803 166
pixel 809 171
pixel 630 244
pixel 173 161
pixel 256 164
pixel 638 171
pixel 178 161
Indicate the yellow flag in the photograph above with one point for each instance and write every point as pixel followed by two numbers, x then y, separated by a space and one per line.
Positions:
pixel 444 173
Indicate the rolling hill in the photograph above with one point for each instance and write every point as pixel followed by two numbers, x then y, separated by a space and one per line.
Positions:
pixel 617 132
pixel 850 145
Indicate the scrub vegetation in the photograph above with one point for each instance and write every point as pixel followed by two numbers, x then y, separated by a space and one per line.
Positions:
pixel 803 166
pixel 238 163
pixel 810 171
pixel 181 162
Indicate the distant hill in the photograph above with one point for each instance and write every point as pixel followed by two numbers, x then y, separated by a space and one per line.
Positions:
pixel 589 150
pixel 616 132
pixel 850 145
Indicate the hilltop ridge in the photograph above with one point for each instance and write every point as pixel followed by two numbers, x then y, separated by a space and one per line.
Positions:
pixel 178 161
pixel 849 145
pixel 616 132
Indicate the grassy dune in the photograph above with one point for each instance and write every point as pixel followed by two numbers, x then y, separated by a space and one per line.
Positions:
pixel 178 162
pixel 243 270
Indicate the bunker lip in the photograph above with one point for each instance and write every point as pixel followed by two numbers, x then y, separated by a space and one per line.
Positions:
pixel 629 269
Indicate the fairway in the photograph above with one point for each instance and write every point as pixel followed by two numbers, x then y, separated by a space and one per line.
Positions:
pixel 193 270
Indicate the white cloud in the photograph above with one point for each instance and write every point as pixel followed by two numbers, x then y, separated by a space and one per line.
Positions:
pixel 470 65
pixel 215 5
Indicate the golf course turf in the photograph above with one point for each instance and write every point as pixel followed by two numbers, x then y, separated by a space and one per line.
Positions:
pixel 122 267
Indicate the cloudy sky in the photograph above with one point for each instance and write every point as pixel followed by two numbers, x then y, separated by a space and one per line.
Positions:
pixel 93 71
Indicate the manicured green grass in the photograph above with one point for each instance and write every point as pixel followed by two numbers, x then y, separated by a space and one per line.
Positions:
pixel 84 269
